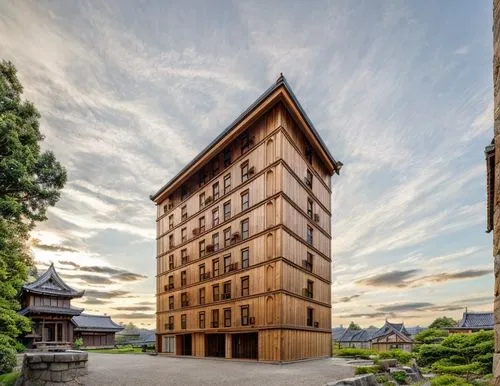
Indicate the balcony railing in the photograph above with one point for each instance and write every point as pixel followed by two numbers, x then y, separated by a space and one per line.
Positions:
pixel 171 286
pixel 169 326
pixel 185 303
pixel 307 293
pixel 205 276
pixel 226 296
pixel 307 265
pixel 214 324
pixel 216 297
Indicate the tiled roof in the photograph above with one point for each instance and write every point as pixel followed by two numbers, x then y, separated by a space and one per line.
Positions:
pixel 337 332
pixel 357 335
pixel 415 330
pixel 51 310
pixel 137 336
pixel 479 320
pixel 95 323
pixel 50 283
pixel 280 82
pixel 388 328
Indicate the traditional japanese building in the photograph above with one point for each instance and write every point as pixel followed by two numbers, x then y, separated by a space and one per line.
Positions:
pixel 244 238
pixel 473 322
pixel 47 302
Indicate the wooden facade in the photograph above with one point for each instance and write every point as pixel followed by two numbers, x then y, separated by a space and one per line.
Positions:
pixel 243 241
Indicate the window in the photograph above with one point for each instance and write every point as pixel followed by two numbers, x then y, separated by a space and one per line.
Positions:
pixel 244 315
pixel 245 286
pixel 184 213
pixel 308 152
pixel 310 316
pixel 169 344
pixel 215 293
pixel 227 263
pixel 244 171
pixel 171 282
pixel 171 322
pixel 245 258
pixel 215 165
pixel 171 241
pixel 202 200
pixel 215 217
pixel 215 267
pixel 201 270
pixel 215 191
pixel 184 256
pixel 310 285
pixel 227 183
pixel 227 157
pixel 202 177
pixel 308 264
pixel 183 235
pixel 227 237
pixel 184 192
pixel 201 295
pixel 183 278
pixel 201 223
pixel 170 302
pixel 245 142
pixel 183 321
pixel 309 234
pixel 245 198
pixel 244 229
pixel 227 317
pixel 171 262
pixel 202 248
pixel 226 293
pixel 201 319
pixel 227 210
pixel 215 318
pixel 170 221
pixel 309 179
pixel 215 241
pixel 310 208
pixel 184 299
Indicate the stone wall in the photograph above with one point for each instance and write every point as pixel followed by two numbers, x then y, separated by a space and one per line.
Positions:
pixel 496 202
pixel 47 368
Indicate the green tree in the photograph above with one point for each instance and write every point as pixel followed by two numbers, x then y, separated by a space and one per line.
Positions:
pixel 431 335
pixel 30 182
pixel 443 322
pixel 354 326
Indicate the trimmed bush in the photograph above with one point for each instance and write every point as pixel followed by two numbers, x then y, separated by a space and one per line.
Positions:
pixel 448 380
pixel 400 377
pixel 367 370
pixel 8 358
pixel 401 356
pixel 355 352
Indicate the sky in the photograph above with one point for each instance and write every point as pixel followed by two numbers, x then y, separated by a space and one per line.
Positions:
pixel 400 91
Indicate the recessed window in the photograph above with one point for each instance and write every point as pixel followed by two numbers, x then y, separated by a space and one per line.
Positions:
pixel 215 241
pixel 184 192
pixel 201 319
pixel 215 217
pixel 215 318
pixel 184 299
pixel 170 302
pixel 215 293
pixel 227 157
pixel 227 183
pixel 184 256
pixel 215 267
pixel 309 179
pixel 171 262
pixel 245 312
pixel 227 237
pixel 171 241
pixel 310 208
pixel 202 177
pixel 308 152
pixel 245 286
pixel 171 282
pixel 227 210
pixel 309 234
pixel 201 223
pixel 201 270
pixel 227 263
pixel 226 290
pixel 244 229
pixel 245 198
pixel 308 264
pixel 171 322
pixel 183 321
pixel 183 278
pixel 184 213
pixel 245 258
pixel 227 317
pixel 201 296
pixel 215 191
pixel 215 165
pixel 310 317
pixel 310 287
pixel 183 235
pixel 244 171
pixel 202 248
pixel 245 142
pixel 170 221
pixel 202 200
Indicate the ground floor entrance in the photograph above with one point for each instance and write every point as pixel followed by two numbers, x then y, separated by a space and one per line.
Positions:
pixel 215 345
pixel 184 344
pixel 245 346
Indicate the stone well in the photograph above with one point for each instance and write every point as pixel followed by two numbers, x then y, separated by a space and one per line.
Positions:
pixel 53 368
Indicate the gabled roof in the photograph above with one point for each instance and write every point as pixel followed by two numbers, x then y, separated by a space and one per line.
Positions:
pixel 415 330
pixel 87 322
pixel 50 283
pixel 476 320
pixel 392 328
pixel 281 82
pixel 364 335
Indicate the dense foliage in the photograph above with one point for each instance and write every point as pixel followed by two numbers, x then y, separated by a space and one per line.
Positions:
pixel 431 335
pixel 367 370
pixel 30 181
pixel 354 326
pixel 443 322
pixel 354 352
pixel 448 380
pixel 401 356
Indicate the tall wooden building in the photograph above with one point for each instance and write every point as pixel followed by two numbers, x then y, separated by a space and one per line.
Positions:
pixel 243 240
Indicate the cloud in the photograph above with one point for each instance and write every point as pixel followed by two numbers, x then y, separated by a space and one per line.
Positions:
pixel 128 276
pixel 404 307
pixel 389 279
pixel 106 294
pixel 94 301
pixel 115 274
pixel 347 299
pixel 52 248
pixel 134 308
pixel 444 277
pixel 133 315
pixel 92 279
pixel 73 264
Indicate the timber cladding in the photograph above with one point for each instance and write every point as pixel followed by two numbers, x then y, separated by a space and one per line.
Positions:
pixel 243 241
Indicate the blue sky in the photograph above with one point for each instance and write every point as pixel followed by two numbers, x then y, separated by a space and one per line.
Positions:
pixel 400 91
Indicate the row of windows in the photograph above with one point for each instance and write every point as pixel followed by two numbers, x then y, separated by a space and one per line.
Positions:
pixel 203 274
pixel 245 318
pixel 216 294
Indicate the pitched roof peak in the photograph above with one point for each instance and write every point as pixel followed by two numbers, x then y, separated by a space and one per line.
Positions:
pixel 52 284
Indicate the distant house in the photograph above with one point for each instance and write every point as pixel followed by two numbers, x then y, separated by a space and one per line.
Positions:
pixel 472 322
pixel 413 331
pixel 47 302
pixel 357 338
pixel 337 332
pixel 95 330
pixel 136 337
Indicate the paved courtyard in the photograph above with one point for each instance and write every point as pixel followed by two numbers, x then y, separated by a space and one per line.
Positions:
pixel 129 369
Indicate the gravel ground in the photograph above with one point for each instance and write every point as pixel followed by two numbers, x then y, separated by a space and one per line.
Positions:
pixel 130 369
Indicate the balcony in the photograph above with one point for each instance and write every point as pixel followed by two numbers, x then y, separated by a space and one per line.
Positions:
pixel 205 276
pixel 185 259
pixel 208 200
pixel 169 326
pixel 235 237
pixel 216 297
pixel 232 267
pixel 214 324
pixel 307 293
pixel 226 296
pixel 171 286
pixel 185 303
pixel 210 248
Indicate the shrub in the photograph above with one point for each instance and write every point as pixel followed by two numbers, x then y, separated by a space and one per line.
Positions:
pixel 367 370
pixel 355 352
pixel 400 377
pixel 445 367
pixel 78 343
pixel 448 380
pixel 8 358
pixel 400 355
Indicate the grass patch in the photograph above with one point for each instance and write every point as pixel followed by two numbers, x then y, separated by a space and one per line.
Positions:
pixel 9 379
pixel 121 350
